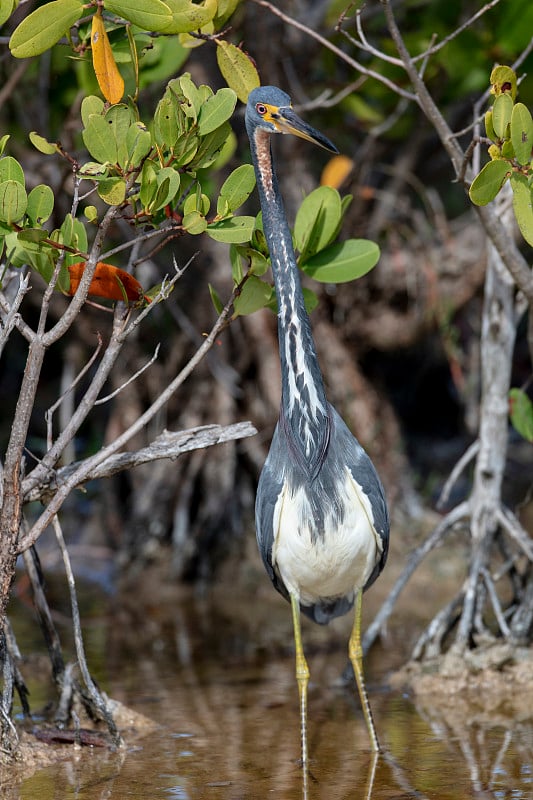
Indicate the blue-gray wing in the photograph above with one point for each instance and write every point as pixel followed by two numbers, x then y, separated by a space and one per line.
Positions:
pixel 269 488
pixel 364 473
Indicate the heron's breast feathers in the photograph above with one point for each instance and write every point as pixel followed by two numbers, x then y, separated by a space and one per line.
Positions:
pixel 324 544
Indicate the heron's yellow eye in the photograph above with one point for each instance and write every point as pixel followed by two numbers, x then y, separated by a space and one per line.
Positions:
pixel 261 109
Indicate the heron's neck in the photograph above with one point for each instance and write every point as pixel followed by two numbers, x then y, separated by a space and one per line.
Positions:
pixel 304 404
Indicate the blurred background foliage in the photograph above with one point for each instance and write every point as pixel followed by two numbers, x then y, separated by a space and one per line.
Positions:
pixel 399 347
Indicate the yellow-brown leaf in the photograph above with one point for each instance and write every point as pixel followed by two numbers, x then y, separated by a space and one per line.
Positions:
pixel 336 171
pixel 105 68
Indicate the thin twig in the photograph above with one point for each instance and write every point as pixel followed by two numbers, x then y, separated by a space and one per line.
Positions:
pixel 430 641
pixel 461 465
pixel 131 379
pixel 144 237
pixel 495 602
pixel 49 414
pixel 11 317
pixel 511 526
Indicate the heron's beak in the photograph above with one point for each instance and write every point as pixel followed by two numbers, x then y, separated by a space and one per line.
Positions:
pixel 287 121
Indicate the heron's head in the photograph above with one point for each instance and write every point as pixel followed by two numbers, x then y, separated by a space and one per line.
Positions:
pixel 269 109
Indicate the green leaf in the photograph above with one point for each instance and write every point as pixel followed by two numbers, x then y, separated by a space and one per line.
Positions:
pixel 255 294
pixel 224 11
pixel 503 79
pixel 187 16
pixel 73 234
pixel 521 413
pixel 148 183
pixel 237 68
pixel 112 190
pixel 522 133
pixel 10 170
pixel 501 114
pixel 192 94
pixel 238 187
pixel 3 141
pixel 197 201
pixel 215 298
pixel 508 150
pixel 343 262
pixel 98 140
pixel 150 15
pixel 91 105
pixel 257 262
pixel 40 204
pixel 138 143
pixel 310 299
pixel 118 120
pixel 92 169
pixel 6 8
pixel 488 183
pixel 168 184
pixel 317 221
pixel 32 236
pixel 194 223
pixel 489 127
pixel 41 29
pixel 216 110
pixel 209 147
pixel 522 205
pixel 13 201
pixel 67 230
pixel 91 213
pixel 167 128
pixel 43 145
pixel 234 230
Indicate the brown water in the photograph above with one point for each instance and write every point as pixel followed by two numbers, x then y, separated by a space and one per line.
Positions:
pixel 217 676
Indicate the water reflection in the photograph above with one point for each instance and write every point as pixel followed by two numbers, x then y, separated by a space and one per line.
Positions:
pixel 217 676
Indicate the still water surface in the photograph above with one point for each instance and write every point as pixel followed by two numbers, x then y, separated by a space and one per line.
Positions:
pixel 217 678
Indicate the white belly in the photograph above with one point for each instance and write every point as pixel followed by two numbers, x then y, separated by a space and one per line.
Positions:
pixel 329 566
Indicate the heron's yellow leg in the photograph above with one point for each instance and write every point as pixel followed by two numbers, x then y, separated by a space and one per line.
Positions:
pixel 302 676
pixel 356 657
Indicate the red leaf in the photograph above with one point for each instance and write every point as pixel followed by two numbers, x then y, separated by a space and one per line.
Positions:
pixel 108 281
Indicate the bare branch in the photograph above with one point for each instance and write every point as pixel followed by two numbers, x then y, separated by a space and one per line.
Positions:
pixel 98 698
pixel 13 79
pixel 498 235
pixel 89 465
pixel 453 519
pixel 334 49
pixel 85 405
pixel 168 444
pixel 454 34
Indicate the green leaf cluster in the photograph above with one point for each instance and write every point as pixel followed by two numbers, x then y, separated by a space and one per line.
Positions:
pixel 509 125
pixel 152 171
pixel 158 169
pixel 23 237
pixel 41 29
pixel 317 225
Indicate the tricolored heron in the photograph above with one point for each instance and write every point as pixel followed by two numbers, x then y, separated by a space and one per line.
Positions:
pixel 321 518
